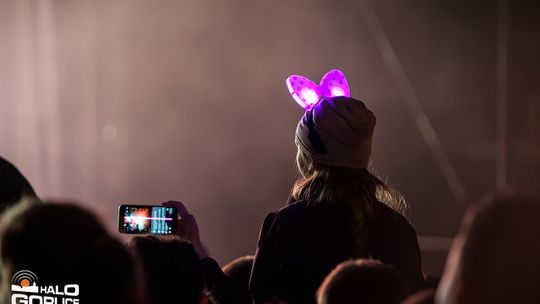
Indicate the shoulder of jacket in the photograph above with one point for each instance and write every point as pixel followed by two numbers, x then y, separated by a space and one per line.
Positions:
pixel 390 216
pixel 291 211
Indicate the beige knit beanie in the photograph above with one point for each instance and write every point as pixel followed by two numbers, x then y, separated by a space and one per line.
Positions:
pixel 337 131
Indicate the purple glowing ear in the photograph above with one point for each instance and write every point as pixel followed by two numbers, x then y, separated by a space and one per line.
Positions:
pixel 333 84
pixel 307 93
pixel 304 91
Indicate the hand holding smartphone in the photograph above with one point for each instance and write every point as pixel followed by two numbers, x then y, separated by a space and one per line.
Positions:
pixel 147 219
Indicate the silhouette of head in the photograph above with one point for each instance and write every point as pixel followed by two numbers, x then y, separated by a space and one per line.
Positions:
pixel 238 272
pixel 494 258
pixel 362 281
pixel 173 270
pixel 13 185
pixel 65 244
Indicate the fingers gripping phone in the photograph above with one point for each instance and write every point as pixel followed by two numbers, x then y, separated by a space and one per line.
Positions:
pixel 146 219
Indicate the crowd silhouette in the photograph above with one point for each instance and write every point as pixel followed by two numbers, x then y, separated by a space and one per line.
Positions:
pixel 342 237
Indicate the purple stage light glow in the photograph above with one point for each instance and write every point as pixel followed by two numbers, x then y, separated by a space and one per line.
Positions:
pixel 307 93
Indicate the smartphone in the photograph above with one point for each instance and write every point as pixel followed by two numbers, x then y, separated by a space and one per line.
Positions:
pixel 145 219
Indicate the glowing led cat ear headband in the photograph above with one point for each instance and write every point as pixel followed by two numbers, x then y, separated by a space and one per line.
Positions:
pixel 307 93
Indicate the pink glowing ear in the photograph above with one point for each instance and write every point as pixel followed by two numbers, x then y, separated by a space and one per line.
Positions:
pixel 333 84
pixel 307 93
pixel 304 91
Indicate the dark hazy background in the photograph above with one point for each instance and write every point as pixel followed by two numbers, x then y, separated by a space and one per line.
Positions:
pixel 110 102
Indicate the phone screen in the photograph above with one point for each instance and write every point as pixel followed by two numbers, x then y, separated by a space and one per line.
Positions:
pixel 142 219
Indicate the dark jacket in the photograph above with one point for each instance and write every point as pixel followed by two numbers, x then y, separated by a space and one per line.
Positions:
pixel 300 244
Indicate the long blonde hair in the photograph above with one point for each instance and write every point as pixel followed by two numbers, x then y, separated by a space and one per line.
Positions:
pixel 354 188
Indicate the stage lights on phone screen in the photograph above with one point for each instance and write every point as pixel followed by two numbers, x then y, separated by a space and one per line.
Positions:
pixel 137 219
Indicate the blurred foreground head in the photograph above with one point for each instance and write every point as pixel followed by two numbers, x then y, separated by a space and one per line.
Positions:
pixel 362 281
pixel 13 185
pixel 65 244
pixel 495 257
